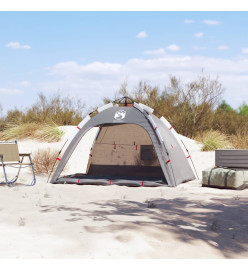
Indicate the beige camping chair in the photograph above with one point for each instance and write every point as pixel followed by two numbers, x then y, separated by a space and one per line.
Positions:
pixel 10 156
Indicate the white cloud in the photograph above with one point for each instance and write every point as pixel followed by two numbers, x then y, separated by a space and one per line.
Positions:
pixel 141 35
pixel 72 68
pixel 211 22
pixel 188 21
pixel 245 50
pixel 198 48
pixel 17 45
pixel 199 35
pixel 223 47
pixel 95 80
pixel 24 83
pixel 155 52
pixel 173 48
pixel 9 91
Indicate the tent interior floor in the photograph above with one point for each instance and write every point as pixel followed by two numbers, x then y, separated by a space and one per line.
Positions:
pixel 83 179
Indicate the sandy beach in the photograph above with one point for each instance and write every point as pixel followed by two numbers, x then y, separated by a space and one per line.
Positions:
pixel 73 221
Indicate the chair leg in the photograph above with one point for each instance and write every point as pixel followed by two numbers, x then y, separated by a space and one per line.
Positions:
pixel 6 180
pixel 3 169
pixel 5 174
pixel 19 169
pixel 34 179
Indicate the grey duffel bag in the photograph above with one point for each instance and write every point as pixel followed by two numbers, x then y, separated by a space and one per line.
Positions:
pixel 225 178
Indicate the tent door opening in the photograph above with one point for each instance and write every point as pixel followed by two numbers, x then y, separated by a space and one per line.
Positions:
pixel 124 151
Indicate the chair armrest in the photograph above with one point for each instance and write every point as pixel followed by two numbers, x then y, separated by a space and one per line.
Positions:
pixel 25 154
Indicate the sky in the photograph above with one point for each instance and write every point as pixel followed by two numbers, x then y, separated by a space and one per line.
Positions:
pixel 87 55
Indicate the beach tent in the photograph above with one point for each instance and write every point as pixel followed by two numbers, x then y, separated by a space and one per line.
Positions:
pixel 132 147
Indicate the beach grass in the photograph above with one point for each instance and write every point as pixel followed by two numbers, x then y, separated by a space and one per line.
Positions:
pixel 213 139
pixel 41 132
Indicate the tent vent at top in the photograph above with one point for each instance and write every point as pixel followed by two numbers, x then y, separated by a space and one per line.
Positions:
pixel 131 147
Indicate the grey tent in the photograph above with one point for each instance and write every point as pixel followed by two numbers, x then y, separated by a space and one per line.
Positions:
pixel 133 147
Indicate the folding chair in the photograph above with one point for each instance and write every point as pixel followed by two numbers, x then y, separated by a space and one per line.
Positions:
pixel 10 156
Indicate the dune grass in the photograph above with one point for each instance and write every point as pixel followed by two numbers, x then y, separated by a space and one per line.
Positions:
pixel 49 133
pixel 213 140
pixel 44 133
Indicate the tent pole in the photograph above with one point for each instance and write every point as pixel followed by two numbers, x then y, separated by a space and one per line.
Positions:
pixel 190 159
pixel 56 160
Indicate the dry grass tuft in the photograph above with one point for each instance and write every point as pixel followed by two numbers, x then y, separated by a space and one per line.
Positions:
pixel 22 221
pixel 213 140
pixel 44 160
pixel 46 133
pixel 240 141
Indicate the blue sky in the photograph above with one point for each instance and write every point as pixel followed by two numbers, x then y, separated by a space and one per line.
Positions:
pixel 89 54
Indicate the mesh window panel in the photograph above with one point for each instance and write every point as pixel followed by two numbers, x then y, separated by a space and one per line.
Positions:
pixel 146 152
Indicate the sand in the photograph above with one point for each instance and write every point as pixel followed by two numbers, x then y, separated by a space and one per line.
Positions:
pixel 71 221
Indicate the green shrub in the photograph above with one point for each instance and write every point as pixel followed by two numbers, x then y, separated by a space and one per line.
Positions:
pixel 189 107
pixel 60 110
pixel 243 109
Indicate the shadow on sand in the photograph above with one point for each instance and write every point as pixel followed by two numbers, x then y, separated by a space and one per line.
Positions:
pixel 221 223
